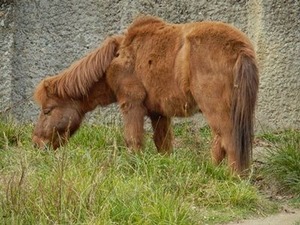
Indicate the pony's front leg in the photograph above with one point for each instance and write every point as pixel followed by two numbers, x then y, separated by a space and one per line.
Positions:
pixel 133 116
pixel 163 134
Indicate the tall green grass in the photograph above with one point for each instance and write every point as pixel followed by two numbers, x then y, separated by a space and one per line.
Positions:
pixel 282 162
pixel 93 180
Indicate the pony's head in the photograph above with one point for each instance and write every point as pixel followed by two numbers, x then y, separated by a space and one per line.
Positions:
pixel 58 120
pixel 65 98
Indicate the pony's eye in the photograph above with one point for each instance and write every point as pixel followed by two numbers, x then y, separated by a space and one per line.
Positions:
pixel 46 111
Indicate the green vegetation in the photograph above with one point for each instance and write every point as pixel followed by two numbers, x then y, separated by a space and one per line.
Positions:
pixel 281 168
pixel 93 180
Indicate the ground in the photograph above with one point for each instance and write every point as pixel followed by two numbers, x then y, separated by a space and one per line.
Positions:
pixel 286 217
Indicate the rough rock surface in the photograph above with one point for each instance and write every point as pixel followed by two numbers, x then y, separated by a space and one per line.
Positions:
pixel 41 37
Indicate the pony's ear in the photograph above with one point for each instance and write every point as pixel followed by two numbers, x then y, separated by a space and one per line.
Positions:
pixel 46 83
pixel 49 86
pixel 41 93
pixel 118 40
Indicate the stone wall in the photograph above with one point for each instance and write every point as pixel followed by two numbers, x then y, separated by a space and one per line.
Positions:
pixel 42 37
pixel 6 53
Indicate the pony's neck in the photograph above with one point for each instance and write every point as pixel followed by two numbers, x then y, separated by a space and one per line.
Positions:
pixel 99 95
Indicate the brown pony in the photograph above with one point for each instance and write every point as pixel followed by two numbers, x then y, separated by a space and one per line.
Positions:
pixel 160 70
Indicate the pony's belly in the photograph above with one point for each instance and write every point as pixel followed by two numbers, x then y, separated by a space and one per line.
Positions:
pixel 172 106
pixel 178 108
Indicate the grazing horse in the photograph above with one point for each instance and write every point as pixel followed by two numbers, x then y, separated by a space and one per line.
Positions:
pixel 160 70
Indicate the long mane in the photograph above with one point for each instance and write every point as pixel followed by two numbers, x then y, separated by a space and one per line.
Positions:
pixel 76 81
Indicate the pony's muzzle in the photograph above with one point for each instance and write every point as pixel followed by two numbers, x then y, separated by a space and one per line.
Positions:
pixel 40 143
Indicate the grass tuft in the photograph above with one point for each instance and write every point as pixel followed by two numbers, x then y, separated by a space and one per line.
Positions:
pixel 282 162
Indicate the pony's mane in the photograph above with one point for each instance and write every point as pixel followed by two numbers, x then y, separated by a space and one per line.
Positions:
pixel 76 81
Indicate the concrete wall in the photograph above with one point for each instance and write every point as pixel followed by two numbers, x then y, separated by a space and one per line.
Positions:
pixel 42 37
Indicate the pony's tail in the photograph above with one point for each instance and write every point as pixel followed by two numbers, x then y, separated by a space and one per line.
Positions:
pixel 243 105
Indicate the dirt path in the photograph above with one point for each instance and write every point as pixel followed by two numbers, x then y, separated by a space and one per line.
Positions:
pixel 290 217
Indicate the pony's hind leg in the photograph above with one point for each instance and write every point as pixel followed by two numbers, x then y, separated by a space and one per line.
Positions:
pixel 163 135
pixel 223 141
pixel 217 152
pixel 216 111
pixel 228 144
